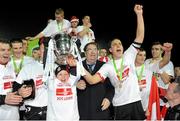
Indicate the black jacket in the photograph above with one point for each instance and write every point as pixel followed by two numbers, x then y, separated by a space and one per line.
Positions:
pixel 90 99
pixel 173 113
pixel 2 99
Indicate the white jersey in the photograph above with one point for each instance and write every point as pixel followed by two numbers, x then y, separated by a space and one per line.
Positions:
pixel 129 92
pixel 7 77
pixel 145 86
pixel 87 38
pixel 154 67
pixel 62 100
pixel 53 28
pixel 26 60
pixel 169 69
pixel 34 71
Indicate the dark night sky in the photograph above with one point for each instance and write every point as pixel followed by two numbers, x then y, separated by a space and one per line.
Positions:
pixel 110 19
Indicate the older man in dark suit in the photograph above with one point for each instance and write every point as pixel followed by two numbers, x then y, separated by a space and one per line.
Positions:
pixel 94 100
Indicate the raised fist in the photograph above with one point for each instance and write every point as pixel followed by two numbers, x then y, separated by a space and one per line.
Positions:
pixel 167 47
pixel 138 9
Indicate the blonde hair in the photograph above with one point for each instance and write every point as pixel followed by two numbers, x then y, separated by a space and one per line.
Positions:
pixel 59 11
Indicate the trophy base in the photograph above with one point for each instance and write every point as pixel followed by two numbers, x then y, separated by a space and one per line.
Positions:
pixel 61 60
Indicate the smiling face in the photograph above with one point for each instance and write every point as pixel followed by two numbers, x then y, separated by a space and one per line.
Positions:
pixel 91 53
pixel 116 49
pixel 17 49
pixel 63 76
pixel 4 53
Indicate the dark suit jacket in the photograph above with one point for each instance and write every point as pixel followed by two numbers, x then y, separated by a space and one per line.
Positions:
pixel 173 113
pixel 2 99
pixel 90 99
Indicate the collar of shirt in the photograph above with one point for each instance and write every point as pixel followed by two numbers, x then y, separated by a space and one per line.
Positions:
pixel 93 65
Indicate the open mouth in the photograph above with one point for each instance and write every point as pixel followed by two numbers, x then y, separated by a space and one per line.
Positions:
pixel 5 57
pixel 118 50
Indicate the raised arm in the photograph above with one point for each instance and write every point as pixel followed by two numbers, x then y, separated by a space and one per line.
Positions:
pixel 140 23
pixel 38 36
pixel 167 47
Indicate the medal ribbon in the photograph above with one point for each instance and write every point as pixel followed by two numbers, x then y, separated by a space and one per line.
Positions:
pixel 139 75
pixel 119 73
pixel 60 25
pixel 17 69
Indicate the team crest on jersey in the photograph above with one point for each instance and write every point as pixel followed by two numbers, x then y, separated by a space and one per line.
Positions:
pixel 7 82
pixel 64 94
pixel 125 73
pixel 63 91
pixel 7 85
pixel 38 80
pixel 142 83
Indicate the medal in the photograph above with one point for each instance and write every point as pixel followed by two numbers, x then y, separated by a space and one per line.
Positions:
pixel 119 72
pixel 119 82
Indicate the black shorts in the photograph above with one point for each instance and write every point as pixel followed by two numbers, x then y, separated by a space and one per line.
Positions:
pixel 35 113
pixel 132 111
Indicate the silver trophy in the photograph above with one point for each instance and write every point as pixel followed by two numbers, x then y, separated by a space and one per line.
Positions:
pixel 62 47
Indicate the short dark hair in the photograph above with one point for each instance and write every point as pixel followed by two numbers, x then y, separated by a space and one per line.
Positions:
pixel 142 49
pixel 15 40
pixel 5 41
pixel 24 39
pixel 85 16
pixel 35 48
pixel 156 43
pixel 110 42
pixel 91 43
